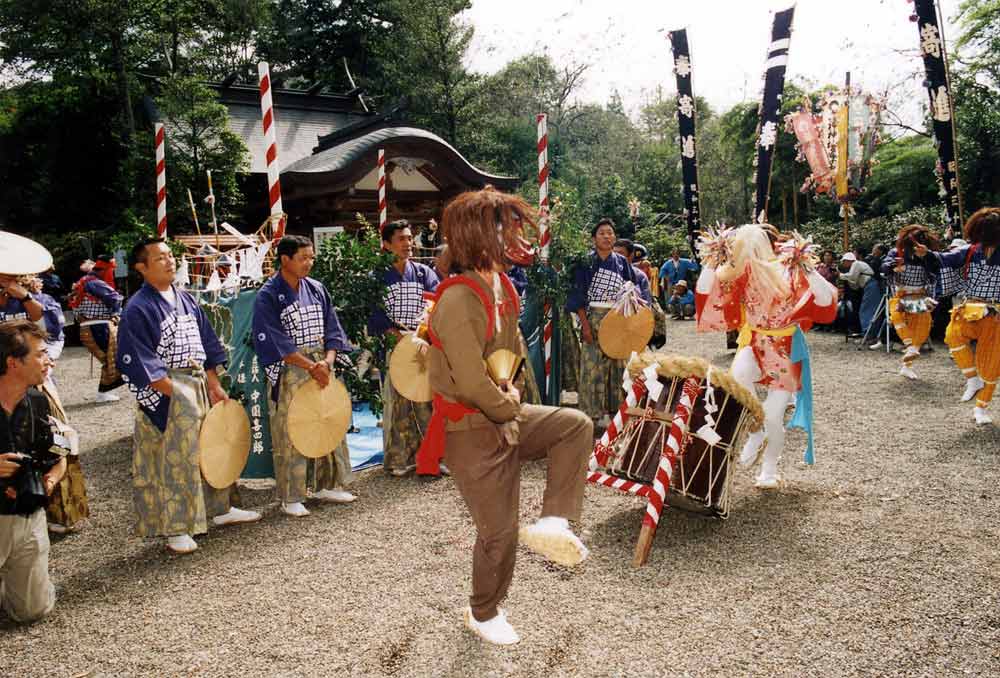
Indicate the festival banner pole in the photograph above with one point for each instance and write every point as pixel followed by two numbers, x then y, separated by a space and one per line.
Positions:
pixel 767 130
pixel 271 155
pixel 383 203
pixel 687 117
pixel 161 181
pixel 544 238
pixel 932 47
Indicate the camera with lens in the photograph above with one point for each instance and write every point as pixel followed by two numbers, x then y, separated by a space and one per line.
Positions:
pixel 24 492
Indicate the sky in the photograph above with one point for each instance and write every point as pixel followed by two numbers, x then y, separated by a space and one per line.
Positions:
pixel 625 43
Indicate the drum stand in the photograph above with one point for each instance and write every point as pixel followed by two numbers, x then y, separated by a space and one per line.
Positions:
pixel 883 311
pixel 655 492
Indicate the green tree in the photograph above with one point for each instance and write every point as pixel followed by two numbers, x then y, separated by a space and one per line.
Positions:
pixel 198 139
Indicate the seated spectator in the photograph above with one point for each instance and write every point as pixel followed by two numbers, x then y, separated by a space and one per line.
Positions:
pixel 31 465
pixel 676 269
pixel 681 303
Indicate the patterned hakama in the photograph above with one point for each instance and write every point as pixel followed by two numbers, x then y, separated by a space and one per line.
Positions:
pixel 600 376
pixel 292 471
pixel 168 491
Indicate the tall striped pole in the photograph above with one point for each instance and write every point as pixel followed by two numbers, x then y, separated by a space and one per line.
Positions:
pixel 672 448
pixel 544 237
pixel 383 205
pixel 271 143
pixel 161 182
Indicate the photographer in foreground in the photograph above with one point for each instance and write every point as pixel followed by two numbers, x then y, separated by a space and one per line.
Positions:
pixel 31 465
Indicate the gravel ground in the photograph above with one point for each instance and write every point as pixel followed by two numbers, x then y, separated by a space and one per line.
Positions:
pixel 880 560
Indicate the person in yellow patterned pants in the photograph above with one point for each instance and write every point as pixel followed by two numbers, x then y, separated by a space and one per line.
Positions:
pixel 977 316
pixel 911 273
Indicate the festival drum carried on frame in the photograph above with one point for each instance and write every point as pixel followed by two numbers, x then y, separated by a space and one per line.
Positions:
pixel 701 477
pixel 408 369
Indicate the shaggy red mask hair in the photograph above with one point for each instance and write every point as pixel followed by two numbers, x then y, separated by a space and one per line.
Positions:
pixel 984 227
pixel 484 231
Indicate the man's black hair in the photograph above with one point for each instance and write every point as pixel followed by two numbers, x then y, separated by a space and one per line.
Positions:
pixel 138 254
pixel 289 245
pixel 626 244
pixel 606 221
pixel 390 229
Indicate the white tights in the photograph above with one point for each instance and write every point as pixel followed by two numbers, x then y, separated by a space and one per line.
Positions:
pixel 746 372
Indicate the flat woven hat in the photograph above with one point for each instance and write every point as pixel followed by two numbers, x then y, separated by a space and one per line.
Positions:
pixel 224 444
pixel 318 418
pixel 408 370
pixel 21 256
pixel 619 335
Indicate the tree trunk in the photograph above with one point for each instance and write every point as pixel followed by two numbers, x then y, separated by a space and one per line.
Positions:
pixel 795 206
pixel 125 98
pixel 784 208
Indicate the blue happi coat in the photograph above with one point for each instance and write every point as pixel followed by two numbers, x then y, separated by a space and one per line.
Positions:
pixel 286 321
pixel 154 337
pixel 599 281
pixel 404 298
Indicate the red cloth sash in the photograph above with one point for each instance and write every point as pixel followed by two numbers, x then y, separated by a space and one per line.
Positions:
pixel 432 447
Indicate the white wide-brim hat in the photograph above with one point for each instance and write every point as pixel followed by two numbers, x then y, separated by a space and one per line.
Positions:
pixel 22 256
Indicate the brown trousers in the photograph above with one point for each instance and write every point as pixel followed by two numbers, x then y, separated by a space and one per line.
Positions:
pixel 487 473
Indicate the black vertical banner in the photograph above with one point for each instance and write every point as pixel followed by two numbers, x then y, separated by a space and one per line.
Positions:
pixel 932 50
pixel 770 107
pixel 686 126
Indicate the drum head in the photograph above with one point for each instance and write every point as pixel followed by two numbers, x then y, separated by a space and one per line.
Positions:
pixel 408 370
pixel 318 418
pixel 224 444
pixel 21 256
pixel 619 336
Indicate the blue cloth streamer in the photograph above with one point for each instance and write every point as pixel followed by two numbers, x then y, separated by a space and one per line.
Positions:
pixel 802 418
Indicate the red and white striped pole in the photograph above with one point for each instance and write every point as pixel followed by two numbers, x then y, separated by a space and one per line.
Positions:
pixel 544 236
pixel 271 144
pixel 161 182
pixel 672 448
pixel 383 205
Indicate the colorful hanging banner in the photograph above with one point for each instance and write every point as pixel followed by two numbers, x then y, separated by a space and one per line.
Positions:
pixel 686 126
pixel 770 108
pixel 935 64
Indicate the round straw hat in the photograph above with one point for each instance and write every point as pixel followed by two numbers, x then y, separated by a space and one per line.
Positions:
pixel 619 336
pixel 318 418
pixel 21 256
pixel 408 370
pixel 224 444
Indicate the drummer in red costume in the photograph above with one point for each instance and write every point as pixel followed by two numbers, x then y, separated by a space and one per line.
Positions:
pixel 480 426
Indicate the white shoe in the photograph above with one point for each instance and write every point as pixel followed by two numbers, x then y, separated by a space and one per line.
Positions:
pixel 106 397
pixel 753 448
pixel 907 372
pixel 981 416
pixel 497 630
pixel 295 509
pixel 55 528
pixel 181 543
pixel 551 538
pixel 235 516
pixel 972 387
pixel 334 496
pixel 877 346
pixel 400 472
pixel 767 482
